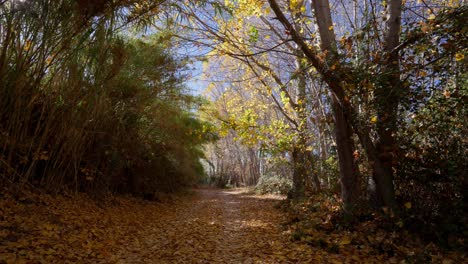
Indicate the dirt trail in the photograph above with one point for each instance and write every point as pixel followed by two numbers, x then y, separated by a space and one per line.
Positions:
pixel 221 226
pixel 210 226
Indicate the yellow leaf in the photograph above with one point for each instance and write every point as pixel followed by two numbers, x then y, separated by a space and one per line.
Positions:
pixel 330 28
pixel 373 119
pixel 27 45
pixel 408 205
pixel 446 93
pixel 345 241
pixel 49 251
pixel 431 17
pixel 459 56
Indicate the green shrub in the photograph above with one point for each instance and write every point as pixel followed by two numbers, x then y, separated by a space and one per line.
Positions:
pixel 274 184
pixel 85 108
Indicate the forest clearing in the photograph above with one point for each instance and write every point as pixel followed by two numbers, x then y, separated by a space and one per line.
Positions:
pixel 233 131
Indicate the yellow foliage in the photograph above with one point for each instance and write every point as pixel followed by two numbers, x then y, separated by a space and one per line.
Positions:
pixel 459 56
pixel 408 205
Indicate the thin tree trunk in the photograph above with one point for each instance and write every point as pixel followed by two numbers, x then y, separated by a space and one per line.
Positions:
pixel 301 172
pixel 387 96
pixel 349 172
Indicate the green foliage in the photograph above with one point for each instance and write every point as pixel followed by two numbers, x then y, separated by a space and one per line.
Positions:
pixel 331 172
pixel 253 34
pixel 87 109
pixel 432 173
pixel 433 161
pixel 274 184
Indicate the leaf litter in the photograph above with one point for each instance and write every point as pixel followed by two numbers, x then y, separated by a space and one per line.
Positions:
pixel 208 226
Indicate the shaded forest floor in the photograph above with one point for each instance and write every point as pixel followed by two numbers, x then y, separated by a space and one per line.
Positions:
pixel 207 226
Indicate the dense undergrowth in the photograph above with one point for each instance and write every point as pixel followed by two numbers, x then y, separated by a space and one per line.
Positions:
pixel 85 108
pixel 273 184
pixel 319 222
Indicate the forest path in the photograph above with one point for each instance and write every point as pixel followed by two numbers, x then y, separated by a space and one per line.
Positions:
pixel 209 226
pixel 221 226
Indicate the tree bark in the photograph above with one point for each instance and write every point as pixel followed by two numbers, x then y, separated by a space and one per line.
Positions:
pixel 299 173
pixel 387 96
pixel 349 171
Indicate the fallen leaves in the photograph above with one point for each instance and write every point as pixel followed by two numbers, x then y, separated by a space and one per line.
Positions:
pixel 212 226
pixel 311 222
pixel 46 229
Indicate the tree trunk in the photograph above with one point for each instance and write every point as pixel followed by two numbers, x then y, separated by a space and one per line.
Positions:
pixel 299 173
pixel 349 171
pixel 387 96
pixel 300 170
pixel 383 174
pixel 314 176
pixel 300 158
